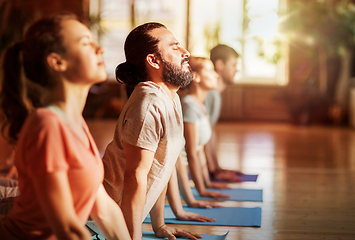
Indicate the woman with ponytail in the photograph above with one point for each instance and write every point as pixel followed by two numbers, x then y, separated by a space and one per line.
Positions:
pixel 197 128
pixel 45 82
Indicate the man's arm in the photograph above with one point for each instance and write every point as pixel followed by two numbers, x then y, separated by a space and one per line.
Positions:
pixel 208 182
pixel 138 164
pixel 158 224
pixel 214 169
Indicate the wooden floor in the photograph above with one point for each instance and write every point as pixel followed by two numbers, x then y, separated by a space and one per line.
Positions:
pixel 307 175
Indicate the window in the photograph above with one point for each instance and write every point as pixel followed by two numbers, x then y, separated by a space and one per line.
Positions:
pixel 116 22
pixel 222 21
pixel 211 21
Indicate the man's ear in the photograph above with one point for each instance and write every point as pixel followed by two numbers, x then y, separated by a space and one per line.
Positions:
pixel 56 62
pixel 153 61
pixel 219 65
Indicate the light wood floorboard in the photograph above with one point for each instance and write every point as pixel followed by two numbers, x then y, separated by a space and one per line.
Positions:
pixel 307 175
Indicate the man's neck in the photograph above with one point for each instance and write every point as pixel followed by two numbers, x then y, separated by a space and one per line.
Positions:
pixel 221 85
pixel 168 88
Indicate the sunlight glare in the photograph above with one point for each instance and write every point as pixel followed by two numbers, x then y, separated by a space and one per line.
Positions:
pixel 259 8
pixel 265 26
pixel 263 18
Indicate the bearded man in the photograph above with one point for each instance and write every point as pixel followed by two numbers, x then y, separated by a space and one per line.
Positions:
pixel 149 134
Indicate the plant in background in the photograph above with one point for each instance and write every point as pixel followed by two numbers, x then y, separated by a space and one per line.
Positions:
pixel 274 53
pixel 96 26
pixel 212 36
pixel 327 24
pixel 327 27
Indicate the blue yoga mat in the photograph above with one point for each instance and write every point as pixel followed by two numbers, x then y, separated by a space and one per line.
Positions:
pixel 245 178
pixel 226 216
pixel 248 177
pixel 96 234
pixel 151 235
pixel 236 194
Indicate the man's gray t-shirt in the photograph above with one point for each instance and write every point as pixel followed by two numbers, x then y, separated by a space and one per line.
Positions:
pixel 149 120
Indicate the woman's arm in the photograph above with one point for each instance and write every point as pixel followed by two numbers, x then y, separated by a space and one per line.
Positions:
pixel 195 166
pixel 185 188
pixel 176 206
pixel 211 156
pixel 55 199
pixel 138 164
pixel 191 138
pixel 108 216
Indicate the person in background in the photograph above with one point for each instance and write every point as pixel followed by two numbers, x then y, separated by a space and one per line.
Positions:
pixel 197 128
pixel 225 61
pixel 60 171
pixel 141 158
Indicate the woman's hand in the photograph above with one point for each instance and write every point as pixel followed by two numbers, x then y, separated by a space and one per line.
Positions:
pixel 190 216
pixel 203 204
pixel 172 232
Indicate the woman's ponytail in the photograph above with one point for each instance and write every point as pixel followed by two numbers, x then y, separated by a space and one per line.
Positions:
pixel 13 107
pixel 26 77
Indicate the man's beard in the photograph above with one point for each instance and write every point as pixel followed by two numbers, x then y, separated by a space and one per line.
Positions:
pixel 175 76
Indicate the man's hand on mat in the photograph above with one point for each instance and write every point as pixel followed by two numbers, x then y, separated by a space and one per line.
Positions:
pixel 227 175
pixel 217 185
pixel 203 204
pixel 219 169
pixel 213 194
pixel 190 216
pixel 172 232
